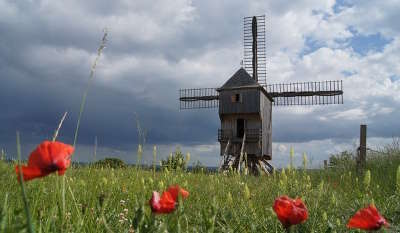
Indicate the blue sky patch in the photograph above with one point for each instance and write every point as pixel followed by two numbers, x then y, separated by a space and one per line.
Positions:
pixel 310 46
pixel 363 44
pixel 340 5
pixel 394 78
pixel 348 73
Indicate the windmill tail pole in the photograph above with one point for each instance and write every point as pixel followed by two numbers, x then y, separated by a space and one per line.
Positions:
pixel 254 47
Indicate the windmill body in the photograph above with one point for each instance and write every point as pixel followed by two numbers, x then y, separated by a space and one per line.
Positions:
pixel 245 108
pixel 245 104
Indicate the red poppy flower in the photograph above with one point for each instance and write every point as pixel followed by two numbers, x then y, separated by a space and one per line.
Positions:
pixel 48 157
pixel 289 211
pixel 167 202
pixel 367 219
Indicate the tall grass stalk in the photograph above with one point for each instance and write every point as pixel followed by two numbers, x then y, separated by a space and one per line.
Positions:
pixel 63 179
pixel 398 180
pixel 4 214
pixel 59 127
pixel 154 157
pixel 91 76
pixel 142 133
pixel 305 161
pixel 139 156
pixel 142 140
pixel 291 157
pixel 95 149
pixel 21 182
pixel 3 155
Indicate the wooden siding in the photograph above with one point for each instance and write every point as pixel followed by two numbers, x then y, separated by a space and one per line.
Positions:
pixel 252 121
pixel 266 118
pixel 249 101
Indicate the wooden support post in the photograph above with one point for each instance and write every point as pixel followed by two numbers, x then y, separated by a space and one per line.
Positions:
pixel 224 159
pixel 227 147
pixel 242 151
pixel 362 150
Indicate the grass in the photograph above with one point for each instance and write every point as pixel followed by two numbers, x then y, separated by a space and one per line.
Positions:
pixel 115 200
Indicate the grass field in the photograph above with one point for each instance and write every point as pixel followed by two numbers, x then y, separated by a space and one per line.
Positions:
pixel 116 200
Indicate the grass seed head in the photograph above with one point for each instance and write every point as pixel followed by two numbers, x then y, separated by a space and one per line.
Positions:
pixel 229 198
pixel 305 160
pixel 247 194
pixel 291 157
pixel 367 179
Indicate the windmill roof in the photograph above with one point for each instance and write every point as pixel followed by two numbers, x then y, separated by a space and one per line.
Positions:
pixel 239 79
pixel 242 79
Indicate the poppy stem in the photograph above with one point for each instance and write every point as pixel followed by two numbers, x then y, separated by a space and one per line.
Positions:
pixel 21 182
pixel 63 196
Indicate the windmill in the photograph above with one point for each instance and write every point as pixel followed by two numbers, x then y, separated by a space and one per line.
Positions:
pixel 245 103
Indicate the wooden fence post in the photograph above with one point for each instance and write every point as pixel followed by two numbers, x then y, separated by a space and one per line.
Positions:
pixel 362 150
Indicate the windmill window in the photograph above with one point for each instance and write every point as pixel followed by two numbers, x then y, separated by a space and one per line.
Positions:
pixel 236 98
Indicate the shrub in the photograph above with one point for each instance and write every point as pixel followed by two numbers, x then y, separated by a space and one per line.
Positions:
pixel 175 161
pixel 198 167
pixel 343 160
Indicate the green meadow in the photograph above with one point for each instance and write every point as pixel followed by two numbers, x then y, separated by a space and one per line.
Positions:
pixel 100 199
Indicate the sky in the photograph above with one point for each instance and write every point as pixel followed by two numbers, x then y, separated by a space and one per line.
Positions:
pixel 156 47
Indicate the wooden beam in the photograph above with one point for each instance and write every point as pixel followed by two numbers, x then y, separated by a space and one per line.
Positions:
pixel 305 93
pixel 197 98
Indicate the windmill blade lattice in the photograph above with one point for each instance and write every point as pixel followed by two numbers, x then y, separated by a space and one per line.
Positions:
pixel 198 98
pixel 260 49
pixel 306 93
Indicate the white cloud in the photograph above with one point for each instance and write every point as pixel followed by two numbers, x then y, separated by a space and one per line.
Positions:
pixel 371 17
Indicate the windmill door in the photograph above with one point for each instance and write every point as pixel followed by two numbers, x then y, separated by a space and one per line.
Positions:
pixel 240 125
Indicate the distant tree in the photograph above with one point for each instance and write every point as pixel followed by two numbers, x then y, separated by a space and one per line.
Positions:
pixel 110 163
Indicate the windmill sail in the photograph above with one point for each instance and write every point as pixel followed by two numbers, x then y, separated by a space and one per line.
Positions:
pixel 198 98
pixel 306 93
pixel 254 44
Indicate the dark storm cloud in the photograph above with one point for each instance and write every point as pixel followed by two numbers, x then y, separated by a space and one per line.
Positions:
pixel 36 90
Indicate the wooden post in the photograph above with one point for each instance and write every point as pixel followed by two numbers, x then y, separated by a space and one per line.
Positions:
pixel 242 151
pixel 325 164
pixel 225 157
pixel 362 155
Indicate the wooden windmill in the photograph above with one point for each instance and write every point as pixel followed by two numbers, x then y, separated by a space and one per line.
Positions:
pixel 245 103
